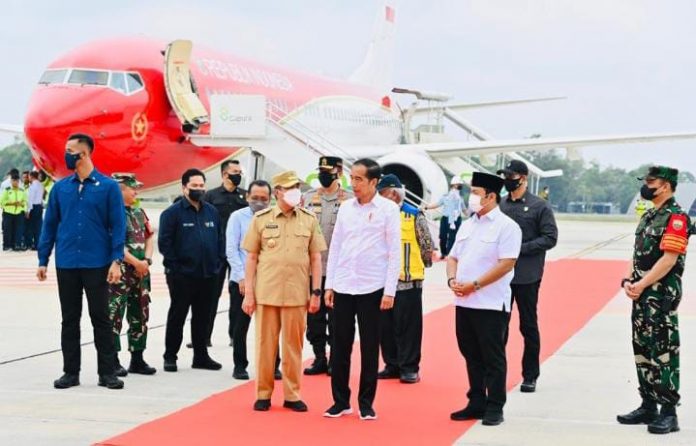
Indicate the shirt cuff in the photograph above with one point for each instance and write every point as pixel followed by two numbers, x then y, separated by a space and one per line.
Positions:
pixel 390 290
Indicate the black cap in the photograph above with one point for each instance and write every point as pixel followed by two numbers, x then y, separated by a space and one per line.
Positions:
pixel 513 167
pixel 389 180
pixel 329 162
pixel 487 181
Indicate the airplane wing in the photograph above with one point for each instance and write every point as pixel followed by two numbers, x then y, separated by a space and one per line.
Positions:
pixel 466 148
pixel 457 106
pixel 11 128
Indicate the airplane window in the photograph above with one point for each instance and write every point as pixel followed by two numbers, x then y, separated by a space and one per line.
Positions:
pixel 118 82
pixel 134 82
pixel 88 77
pixel 53 77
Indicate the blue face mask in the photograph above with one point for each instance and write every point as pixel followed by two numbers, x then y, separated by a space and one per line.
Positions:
pixel 71 160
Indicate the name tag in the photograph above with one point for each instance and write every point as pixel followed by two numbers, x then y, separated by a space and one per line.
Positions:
pixel 189 225
pixel 271 226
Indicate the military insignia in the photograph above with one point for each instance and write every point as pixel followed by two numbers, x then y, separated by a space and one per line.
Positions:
pixel 677 225
pixel 139 127
pixel 526 208
pixel 271 243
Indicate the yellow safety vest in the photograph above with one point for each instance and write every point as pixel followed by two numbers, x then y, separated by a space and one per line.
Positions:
pixel 412 267
pixel 10 195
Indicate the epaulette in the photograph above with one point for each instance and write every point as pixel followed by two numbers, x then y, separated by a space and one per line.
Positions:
pixel 263 211
pixel 307 211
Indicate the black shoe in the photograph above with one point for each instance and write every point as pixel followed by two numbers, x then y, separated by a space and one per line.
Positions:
pixel 528 386
pixel 66 381
pixel 141 368
pixel 328 370
pixel 170 365
pixel 336 411
pixel 295 406
pixel 318 367
pixel 206 363
pixel 120 371
pixel 189 345
pixel 409 378
pixel 368 413
pixel 492 418
pixel 277 375
pixel 388 373
pixel 643 415
pixel 262 405
pixel 468 413
pixel 664 424
pixel 240 374
pixel 110 382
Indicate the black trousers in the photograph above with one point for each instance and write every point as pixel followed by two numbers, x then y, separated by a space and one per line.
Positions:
pixel 34 227
pixel 402 332
pixel 481 340
pixel 346 308
pixel 13 232
pixel 448 235
pixel 197 294
pixel 71 282
pixel 239 327
pixel 320 327
pixel 221 281
pixel 527 296
pixel 5 234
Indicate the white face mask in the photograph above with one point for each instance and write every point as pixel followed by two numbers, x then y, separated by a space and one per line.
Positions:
pixel 292 197
pixel 475 203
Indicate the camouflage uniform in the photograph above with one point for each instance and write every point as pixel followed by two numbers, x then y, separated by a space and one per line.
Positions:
pixel 131 296
pixel 654 316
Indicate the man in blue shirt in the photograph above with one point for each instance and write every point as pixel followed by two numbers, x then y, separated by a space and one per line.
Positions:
pixel 452 206
pixel 191 242
pixel 86 223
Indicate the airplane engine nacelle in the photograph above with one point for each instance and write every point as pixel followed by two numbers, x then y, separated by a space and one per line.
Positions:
pixel 418 173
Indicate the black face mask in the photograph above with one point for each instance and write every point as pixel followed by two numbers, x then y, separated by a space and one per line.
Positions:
pixel 236 178
pixel 326 179
pixel 512 185
pixel 196 194
pixel 648 193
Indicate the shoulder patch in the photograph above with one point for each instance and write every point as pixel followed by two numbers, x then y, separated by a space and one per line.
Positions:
pixel 676 235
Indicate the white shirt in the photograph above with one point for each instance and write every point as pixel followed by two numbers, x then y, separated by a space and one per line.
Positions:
pixel 36 191
pixel 7 182
pixel 365 252
pixel 480 243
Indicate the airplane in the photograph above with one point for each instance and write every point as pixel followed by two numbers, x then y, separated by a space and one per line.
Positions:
pixel 151 107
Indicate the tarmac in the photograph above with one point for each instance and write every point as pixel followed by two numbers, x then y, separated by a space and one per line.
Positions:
pixel 583 385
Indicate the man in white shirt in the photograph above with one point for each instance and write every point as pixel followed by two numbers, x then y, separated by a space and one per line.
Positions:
pixel 34 211
pixel 361 278
pixel 479 271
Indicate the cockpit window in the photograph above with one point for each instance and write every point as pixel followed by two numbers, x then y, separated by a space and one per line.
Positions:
pixel 88 77
pixel 118 82
pixel 134 81
pixel 53 77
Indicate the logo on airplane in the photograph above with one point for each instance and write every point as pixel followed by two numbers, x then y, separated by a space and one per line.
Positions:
pixel 139 127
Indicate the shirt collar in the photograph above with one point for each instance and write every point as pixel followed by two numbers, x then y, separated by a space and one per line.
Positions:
pixel 522 199
pixel 372 202
pixel 492 215
pixel 277 211
pixel 91 177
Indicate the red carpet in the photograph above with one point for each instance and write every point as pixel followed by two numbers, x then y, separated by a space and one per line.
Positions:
pixel 573 291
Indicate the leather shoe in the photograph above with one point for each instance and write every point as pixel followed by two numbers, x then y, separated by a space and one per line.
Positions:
pixel 388 373
pixel 318 367
pixel 664 424
pixel 110 382
pixel 295 406
pixel 642 415
pixel 468 413
pixel 141 368
pixel 206 363
pixel 409 378
pixel 262 405
pixel 492 418
pixel 240 374
pixel 170 365
pixel 66 381
pixel 528 386
pixel 277 375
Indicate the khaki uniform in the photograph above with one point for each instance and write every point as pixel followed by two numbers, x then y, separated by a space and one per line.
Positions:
pixel 284 244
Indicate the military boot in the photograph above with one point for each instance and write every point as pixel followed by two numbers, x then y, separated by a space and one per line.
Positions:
pixel 139 366
pixel 318 367
pixel 645 414
pixel 118 368
pixel 666 422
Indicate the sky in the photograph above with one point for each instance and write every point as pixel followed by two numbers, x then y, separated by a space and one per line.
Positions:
pixel 625 66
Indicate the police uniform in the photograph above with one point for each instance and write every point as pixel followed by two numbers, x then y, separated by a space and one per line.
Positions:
pixel 14 204
pixel 654 315
pixel 325 206
pixel 283 243
pixel 131 296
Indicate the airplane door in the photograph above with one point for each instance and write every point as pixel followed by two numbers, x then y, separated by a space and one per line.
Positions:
pixel 177 82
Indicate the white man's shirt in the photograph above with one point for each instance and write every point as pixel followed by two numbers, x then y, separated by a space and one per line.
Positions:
pixel 480 243
pixel 365 252
pixel 36 192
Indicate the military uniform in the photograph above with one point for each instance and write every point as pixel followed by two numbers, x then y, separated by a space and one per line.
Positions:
pixel 325 206
pixel 283 243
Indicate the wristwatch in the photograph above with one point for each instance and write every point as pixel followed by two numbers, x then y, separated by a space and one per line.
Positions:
pixel 449 282
pixel 316 292
pixel 624 280
pixel 148 260
pixel 477 285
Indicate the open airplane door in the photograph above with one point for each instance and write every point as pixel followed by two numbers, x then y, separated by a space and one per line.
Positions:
pixel 177 81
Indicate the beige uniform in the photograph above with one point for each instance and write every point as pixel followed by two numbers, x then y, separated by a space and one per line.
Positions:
pixel 284 244
pixel 325 207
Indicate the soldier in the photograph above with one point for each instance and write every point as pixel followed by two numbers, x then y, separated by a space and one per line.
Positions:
pixel 654 284
pixel 131 296
pixel 324 202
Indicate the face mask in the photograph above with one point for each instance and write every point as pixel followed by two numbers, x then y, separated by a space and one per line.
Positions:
pixel 475 203
pixel 292 197
pixel 257 205
pixel 326 179
pixel 71 160
pixel 512 185
pixel 236 178
pixel 648 193
pixel 196 194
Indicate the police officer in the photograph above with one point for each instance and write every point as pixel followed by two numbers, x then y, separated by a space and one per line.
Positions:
pixel 324 202
pixel 654 285
pixel 131 296
pixel 284 245
pixel 539 234
pixel 13 202
pixel 190 240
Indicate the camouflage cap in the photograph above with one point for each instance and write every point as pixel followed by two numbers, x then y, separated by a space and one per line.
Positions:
pixel 285 179
pixel 664 172
pixel 127 179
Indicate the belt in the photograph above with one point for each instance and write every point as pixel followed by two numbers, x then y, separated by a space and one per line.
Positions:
pixel 403 286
